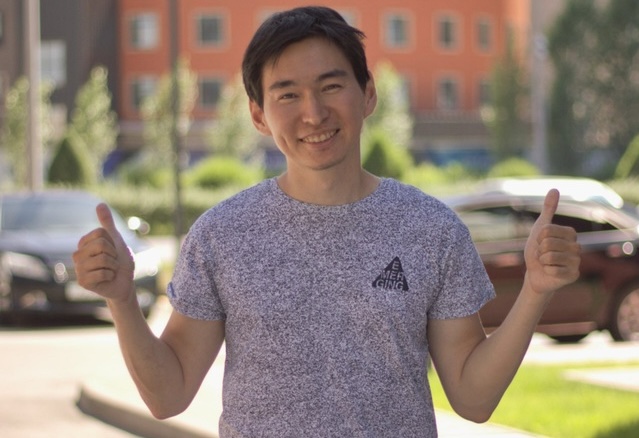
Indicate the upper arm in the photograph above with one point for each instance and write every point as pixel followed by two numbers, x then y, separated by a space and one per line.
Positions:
pixel 451 342
pixel 196 344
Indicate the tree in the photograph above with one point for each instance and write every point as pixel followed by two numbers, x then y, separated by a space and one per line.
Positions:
pixel 157 112
pixel 93 124
pixel 392 114
pixel 504 116
pixel 595 51
pixel 70 165
pixel 233 133
pixel 14 133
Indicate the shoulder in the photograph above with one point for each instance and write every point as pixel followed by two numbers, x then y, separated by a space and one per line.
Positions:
pixel 244 207
pixel 415 201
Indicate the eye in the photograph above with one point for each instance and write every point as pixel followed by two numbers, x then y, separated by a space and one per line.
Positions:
pixel 286 96
pixel 332 87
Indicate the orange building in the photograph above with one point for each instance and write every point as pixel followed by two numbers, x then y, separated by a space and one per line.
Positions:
pixel 443 49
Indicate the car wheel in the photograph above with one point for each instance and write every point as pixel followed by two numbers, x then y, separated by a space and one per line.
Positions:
pixel 569 339
pixel 624 325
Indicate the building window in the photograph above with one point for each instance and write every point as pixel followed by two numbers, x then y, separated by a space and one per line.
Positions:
pixel 483 93
pixel 447 33
pixel 396 31
pixel 144 31
pixel 448 94
pixel 53 58
pixel 210 92
pixel 484 35
pixel 210 30
pixel 141 88
pixel 1 26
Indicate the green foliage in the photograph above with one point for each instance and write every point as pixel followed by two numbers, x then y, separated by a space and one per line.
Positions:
pixel 513 167
pixel 14 133
pixel 594 47
pixel 629 162
pixel 70 165
pixel 233 132
pixel 561 407
pixel 158 114
pixel 93 122
pixel 219 171
pixel 392 114
pixel 140 173
pixel 385 158
pixel 504 116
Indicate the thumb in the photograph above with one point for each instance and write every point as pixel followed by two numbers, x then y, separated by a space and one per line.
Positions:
pixel 106 220
pixel 550 207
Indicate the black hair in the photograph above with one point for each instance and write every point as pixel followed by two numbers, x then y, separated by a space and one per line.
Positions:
pixel 285 28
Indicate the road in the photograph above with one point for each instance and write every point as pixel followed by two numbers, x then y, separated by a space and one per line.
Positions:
pixel 41 371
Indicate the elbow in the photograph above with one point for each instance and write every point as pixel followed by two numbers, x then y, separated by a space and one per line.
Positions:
pixel 476 413
pixel 163 410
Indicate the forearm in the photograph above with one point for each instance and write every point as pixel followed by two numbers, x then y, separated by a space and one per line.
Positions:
pixel 495 360
pixel 152 363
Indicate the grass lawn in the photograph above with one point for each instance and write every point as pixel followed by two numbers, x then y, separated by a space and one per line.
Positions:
pixel 540 400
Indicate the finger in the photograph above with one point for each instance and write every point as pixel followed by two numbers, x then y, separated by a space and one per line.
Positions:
pixel 550 207
pixel 106 219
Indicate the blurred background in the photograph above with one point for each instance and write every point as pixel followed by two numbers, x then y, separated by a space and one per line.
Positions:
pixel 121 93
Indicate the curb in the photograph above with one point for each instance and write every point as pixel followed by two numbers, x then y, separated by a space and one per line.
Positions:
pixel 132 419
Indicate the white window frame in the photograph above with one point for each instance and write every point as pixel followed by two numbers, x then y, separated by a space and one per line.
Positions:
pixel 203 81
pixel 221 38
pixel 392 39
pixel 141 88
pixel 53 62
pixel 448 32
pixel 485 28
pixel 144 31
pixel 448 93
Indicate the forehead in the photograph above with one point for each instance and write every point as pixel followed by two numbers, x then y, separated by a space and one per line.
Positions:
pixel 309 58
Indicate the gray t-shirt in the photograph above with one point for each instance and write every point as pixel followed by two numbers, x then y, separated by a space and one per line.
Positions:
pixel 326 307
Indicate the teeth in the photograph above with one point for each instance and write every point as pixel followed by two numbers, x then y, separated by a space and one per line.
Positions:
pixel 319 138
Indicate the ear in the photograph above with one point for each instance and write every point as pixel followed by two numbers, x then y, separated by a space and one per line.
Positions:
pixel 370 97
pixel 259 121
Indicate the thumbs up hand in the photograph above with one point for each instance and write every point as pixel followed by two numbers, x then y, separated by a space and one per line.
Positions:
pixel 103 262
pixel 552 253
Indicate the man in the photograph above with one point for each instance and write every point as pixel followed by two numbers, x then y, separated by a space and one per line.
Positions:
pixel 329 285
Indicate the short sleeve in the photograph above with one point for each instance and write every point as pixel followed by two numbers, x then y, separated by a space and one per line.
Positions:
pixel 192 290
pixel 464 283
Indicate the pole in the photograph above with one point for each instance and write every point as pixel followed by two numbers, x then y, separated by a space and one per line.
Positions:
pixel 175 134
pixel 34 173
pixel 538 92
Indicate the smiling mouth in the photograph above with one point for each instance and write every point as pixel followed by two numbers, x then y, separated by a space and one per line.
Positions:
pixel 320 138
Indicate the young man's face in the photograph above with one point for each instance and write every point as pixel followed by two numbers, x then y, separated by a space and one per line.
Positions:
pixel 314 107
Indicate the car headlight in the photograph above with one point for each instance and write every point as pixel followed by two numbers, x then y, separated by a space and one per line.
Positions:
pixel 26 266
pixel 147 263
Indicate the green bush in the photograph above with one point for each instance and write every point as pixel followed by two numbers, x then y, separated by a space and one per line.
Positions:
pixel 143 173
pixel 69 166
pixel 221 171
pixel 385 158
pixel 513 167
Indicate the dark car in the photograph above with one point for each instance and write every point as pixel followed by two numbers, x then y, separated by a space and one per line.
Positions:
pixel 38 234
pixel 500 215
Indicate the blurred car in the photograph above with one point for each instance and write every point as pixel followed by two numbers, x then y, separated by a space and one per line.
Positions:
pixel 39 232
pixel 500 215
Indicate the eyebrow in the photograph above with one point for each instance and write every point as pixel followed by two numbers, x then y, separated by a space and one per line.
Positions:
pixel 336 73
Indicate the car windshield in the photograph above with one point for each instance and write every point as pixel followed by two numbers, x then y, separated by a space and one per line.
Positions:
pixel 49 214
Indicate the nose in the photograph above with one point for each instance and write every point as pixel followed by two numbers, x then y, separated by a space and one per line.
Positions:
pixel 314 111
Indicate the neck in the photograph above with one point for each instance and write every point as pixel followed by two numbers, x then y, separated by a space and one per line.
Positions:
pixel 318 188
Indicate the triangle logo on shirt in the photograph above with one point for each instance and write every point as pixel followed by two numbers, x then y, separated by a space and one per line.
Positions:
pixel 392 278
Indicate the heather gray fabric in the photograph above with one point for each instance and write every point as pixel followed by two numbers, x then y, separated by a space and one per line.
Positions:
pixel 326 307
